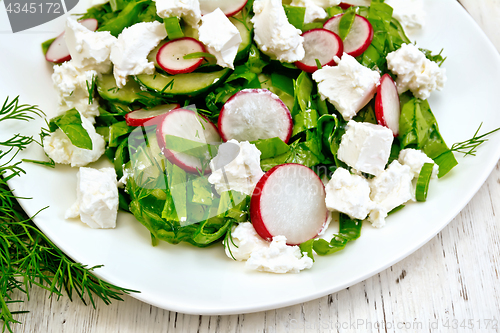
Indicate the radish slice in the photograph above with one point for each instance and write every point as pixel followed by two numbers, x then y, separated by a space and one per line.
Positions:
pixel 58 51
pixel 90 23
pixel 170 57
pixel 189 125
pixel 254 114
pixel 320 44
pixel 387 107
pixel 141 116
pixel 228 7
pixel 359 38
pixel 344 5
pixel 289 200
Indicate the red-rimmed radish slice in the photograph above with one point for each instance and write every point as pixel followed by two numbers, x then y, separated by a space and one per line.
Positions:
pixel 321 45
pixel 289 200
pixel 58 51
pixel 253 114
pixel 387 107
pixel 359 38
pixel 90 23
pixel 228 7
pixel 190 125
pixel 344 5
pixel 170 57
pixel 142 116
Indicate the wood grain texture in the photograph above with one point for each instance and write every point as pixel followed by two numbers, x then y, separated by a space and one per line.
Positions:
pixel 451 284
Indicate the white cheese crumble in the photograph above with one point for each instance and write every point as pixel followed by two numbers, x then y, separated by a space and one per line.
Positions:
pixel 88 49
pixel 96 198
pixel 129 53
pixel 313 11
pixel 390 189
pixel 236 167
pixel 415 72
pixel 189 10
pixel 349 86
pixel 273 257
pixel 71 84
pixel 220 36
pixel 348 194
pixel 246 240
pixel 59 147
pixel 410 13
pixel 365 147
pixel 274 35
pixel 416 159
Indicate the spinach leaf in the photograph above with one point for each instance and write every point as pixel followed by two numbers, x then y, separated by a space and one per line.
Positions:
pixel 271 147
pixel 349 230
pixel 295 15
pixel 70 123
pixel 419 129
pixel 346 22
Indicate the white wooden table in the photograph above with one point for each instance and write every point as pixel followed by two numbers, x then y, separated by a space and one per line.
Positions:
pixel 461 266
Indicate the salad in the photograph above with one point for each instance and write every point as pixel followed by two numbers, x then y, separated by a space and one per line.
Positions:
pixel 247 123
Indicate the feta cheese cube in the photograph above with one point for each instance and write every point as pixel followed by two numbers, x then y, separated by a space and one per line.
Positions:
pixel 261 255
pixel 88 49
pixel 59 147
pixel 220 36
pixel 415 72
pixel 236 167
pixel 246 240
pixel 129 53
pixel 349 86
pixel 390 189
pixel 278 257
pixel 189 10
pixel 70 83
pixel 366 147
pixel 274 35
pixel 416 159
pixel 313 10
pixel 96 198
pixel 348 194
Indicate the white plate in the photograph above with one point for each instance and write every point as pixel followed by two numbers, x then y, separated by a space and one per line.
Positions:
pixel 204 281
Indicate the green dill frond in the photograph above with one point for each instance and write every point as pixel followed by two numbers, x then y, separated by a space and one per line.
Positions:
pixel 469 147
pixel 14 111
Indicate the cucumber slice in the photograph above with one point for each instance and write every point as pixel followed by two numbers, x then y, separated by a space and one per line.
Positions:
pixel 190 84
pixel 154 52
pixel 246 37
pixel 107 89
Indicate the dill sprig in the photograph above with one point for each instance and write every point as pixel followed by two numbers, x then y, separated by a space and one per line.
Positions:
pixel 13 111
pixel 469 147
pixel 27 256
pixel 91 88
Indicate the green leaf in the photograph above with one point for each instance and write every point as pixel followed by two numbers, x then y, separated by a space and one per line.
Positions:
pixel 346 22
pixel 349 230
pixel 283 83
pixel 295 15
pixel 116 131
pixel 193 148
pixel 271 147
pixel 304 120
pixel 302 92
pixel 125 18
pixel 71 124
pixel 202 191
